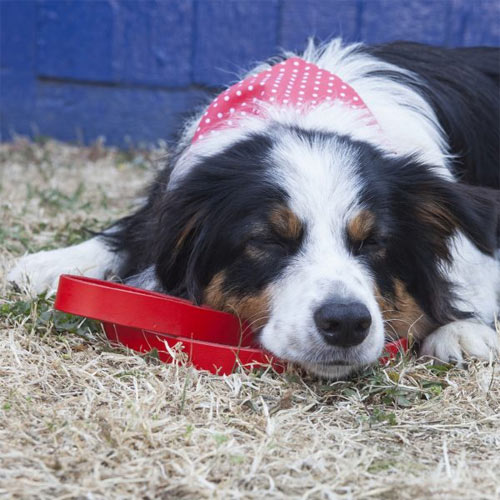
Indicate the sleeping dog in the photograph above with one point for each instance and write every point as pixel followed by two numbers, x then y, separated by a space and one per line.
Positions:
pixel 329 199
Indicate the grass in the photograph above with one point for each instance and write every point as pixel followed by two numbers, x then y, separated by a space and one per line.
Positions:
pixel 81 419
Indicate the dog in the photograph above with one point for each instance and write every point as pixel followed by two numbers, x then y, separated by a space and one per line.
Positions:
pixel 364 206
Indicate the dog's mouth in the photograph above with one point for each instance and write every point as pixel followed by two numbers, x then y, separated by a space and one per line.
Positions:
pixel 336 362
pixel 338 369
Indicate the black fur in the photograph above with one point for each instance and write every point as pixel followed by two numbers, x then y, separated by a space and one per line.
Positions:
pixel 417 213
pixel 204 225
pixel 462 86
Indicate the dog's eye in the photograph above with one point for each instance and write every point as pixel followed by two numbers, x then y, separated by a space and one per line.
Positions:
pixel 266 244
pixel 368 246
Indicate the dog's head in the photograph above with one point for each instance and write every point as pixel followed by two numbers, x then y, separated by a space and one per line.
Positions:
pixel 319 242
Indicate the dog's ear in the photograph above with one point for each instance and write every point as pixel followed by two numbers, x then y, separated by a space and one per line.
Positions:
pixel 177 251
pixel 431 210
pixel 448 207
pixel 481 216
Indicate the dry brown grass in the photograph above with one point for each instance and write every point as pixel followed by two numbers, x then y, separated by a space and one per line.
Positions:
pixel 79 419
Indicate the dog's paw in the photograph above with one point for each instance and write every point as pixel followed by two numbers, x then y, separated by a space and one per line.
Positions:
pixel 454 342
pixel 39 272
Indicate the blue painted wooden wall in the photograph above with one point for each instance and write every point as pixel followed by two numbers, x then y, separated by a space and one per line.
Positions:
pixel 128 69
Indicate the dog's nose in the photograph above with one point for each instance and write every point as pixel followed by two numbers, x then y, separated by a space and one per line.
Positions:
pixel 343 323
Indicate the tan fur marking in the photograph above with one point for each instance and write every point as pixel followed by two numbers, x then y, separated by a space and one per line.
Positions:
pixel 214 296
pixel 255 253
pixel 185 233
pixel 361 225
pixel 403 316
pixel 285 222
pixel 444 224
pixel 252 308
pixel 433 213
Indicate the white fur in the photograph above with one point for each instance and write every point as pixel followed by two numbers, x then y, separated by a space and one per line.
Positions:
pixel 40 272
pixel 323 192
pixel 147 280
pixel 454 342
pixel 408 124
pixel 476 277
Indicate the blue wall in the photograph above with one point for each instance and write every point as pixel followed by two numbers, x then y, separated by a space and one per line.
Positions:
pixel 128 69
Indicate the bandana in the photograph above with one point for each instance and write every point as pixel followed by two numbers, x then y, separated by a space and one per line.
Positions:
pixel 294 82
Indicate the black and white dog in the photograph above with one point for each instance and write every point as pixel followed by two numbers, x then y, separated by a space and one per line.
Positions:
pixel 322 230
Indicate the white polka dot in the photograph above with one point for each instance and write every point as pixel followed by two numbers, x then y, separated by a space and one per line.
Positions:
pixel 355 98
pixel 198 129
pixel 274 91
pixel 343 87
pixel 243 103
pixel 295 63
pixel 238 92
pixel 342 94
pixel 230 122
pixel 231 110
pixel 219 115
pixel 201 136
pixel 207 120
pixel 244 113
pixel 315 95
pixel 302 86
pixel 226 98
pixel 250 87
pixel 285 101
pixel 301 91
pixel 329 91
pixel 307 68
pixel 271 99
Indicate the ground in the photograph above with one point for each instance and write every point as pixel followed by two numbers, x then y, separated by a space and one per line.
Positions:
pixel 81 419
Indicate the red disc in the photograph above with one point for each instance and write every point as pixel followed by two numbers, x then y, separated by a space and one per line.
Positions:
pixel 143 320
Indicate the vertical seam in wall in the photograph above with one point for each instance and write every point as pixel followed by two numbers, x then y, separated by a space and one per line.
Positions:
pixel 359 19
pixel 35 48
pixel 466 13
pixel 449 16
pixel 194 4
pixel 279 25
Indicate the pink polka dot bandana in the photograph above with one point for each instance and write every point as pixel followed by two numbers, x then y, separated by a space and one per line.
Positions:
pixel 294 82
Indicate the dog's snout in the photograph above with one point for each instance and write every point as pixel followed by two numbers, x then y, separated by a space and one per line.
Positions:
pixel 343 323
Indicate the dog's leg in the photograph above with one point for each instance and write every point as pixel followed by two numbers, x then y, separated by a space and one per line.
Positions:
pixel 454 342
pixel 39 272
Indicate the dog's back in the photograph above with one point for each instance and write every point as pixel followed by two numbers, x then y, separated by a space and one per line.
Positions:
pixel 463 86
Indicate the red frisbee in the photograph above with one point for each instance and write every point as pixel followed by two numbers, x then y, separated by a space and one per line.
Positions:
pixel 143 320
